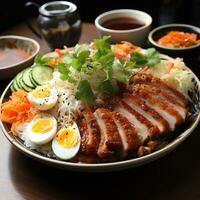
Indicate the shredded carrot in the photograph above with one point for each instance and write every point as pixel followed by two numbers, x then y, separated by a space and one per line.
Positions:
pixel 16 110
pixel 123 49
pixel 177 39
pixel 54 61
pixel 144 69
pixel 169 67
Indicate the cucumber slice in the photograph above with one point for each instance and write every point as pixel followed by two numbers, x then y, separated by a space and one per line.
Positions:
pixel 42 74
pixel 15 85
pixel 18 79
pixel 12 88
pixel 24 86
pixel 26 78
pixel 32 80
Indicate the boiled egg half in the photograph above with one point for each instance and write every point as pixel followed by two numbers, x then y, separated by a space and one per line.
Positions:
pixel 66 143
pixel 43 98
pixel 42 129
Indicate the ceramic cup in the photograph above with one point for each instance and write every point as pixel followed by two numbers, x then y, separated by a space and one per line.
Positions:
pixel 137 36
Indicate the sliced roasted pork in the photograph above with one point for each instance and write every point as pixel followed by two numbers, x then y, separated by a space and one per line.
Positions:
pixel 110 140
pixel 145 129
pixel 165 98
pixel 142 78
pixel 170 114
pixel 90 133
pixel 148 112
pixel 82 125
pixel 127 133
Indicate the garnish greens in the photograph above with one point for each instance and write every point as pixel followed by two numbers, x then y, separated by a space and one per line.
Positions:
pixel 41 60
pixel 150 58
pixel 96 73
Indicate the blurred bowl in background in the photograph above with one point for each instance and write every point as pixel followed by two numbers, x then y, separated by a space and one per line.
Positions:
pixel 16 53
pixel 124 25
pixel 189 54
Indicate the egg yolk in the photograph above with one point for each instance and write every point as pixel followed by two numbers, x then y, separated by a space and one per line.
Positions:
pixel 41 93
pixel 42 126
pixel 67 138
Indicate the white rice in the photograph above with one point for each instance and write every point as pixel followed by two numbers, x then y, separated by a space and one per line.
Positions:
pixel 23 135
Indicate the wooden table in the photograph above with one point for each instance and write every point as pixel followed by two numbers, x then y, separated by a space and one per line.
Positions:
pixel 176 176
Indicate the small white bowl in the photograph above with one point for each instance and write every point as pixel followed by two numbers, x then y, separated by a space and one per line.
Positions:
pixel 24 43
pixel 137 36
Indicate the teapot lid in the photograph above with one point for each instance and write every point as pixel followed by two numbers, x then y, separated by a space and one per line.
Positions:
pixel 57 8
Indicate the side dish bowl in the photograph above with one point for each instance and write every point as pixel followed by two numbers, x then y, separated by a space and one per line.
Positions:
pixel 25 45
pixel 137 35
pixel 188 53
pixel 183 133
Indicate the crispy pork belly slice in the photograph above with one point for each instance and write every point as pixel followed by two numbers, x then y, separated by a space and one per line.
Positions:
pixel 151 114
pixel 149 79
pixel 165 98
pixel 90 132
pixel 171 115
pixel 127 132
pixel 145 129
pixel 110 141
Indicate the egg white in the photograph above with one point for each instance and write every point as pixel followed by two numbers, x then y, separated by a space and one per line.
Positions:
pixel 44 137
pixel 67 153
pixel 46 103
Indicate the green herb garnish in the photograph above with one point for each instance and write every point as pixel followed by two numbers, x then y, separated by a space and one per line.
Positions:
pixel 150 58
pixel 84 92
pixel 41 60
pixel 107 88
pixel 98 72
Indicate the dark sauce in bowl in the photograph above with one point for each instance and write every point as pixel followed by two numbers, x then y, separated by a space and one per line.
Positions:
pixel 123 23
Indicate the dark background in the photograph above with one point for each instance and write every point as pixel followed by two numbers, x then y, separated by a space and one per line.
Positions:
pixel 162 11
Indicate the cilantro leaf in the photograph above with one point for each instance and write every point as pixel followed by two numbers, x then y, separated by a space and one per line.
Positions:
pixel 104 56
pixel 107 88
pixel 106 62
pixel 63 68
pixel 79 59
pixel 84 92
pixel 64 71
pixel 83 55
pixel 102 44
pixel 107 59
pixel 103 47
pixel 150 58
